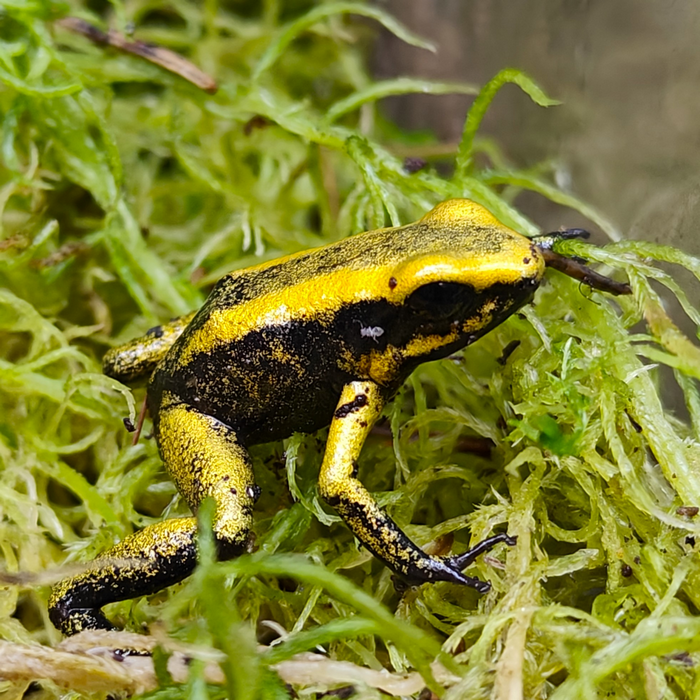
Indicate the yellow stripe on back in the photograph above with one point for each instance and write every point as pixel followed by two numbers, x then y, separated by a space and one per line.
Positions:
pixel 458 241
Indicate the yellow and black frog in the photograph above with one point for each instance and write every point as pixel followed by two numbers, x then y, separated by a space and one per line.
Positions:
pixel 323 337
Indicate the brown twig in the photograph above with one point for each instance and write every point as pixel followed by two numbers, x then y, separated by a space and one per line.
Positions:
pixel 573 268
pixel 165 58
pixel 69 250
pixel 40 578
pixel 139 424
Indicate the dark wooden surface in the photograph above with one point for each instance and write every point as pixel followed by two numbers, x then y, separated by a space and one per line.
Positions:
pixel 627 137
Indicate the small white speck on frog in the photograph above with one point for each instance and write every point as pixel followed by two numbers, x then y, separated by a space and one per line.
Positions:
pixel 373 332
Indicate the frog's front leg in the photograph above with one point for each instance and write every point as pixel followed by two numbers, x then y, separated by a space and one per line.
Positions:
pixel 359 406
pixel 205 459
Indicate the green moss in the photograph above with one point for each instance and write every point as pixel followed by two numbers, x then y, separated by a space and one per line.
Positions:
pixel 126 191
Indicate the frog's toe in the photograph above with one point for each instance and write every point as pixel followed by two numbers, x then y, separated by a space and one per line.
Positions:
pixel 462 561
pixel 476 583
pixel 125 653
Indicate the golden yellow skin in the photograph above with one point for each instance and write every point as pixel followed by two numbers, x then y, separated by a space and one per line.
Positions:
pixel 140 357
pixel 326 336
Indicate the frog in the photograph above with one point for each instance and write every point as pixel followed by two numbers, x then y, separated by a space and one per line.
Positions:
pixel 320 338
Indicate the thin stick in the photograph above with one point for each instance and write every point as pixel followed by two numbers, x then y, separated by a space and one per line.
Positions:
pixel 165 58
pixel 575 269
pixel 139 423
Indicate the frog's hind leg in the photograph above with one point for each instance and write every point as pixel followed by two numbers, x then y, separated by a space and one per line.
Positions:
pixel 144 563
pixel 205 460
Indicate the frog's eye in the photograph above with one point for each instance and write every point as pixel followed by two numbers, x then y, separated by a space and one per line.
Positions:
pixel 439 299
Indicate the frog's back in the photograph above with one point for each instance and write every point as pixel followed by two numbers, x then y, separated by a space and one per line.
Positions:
pixel 359 267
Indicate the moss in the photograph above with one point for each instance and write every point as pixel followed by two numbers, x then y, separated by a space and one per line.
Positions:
pixel 126 191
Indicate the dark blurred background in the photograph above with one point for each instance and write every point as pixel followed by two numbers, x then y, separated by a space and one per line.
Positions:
pixel 627 136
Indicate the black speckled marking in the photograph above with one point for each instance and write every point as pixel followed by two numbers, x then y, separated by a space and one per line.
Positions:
pixel 351 407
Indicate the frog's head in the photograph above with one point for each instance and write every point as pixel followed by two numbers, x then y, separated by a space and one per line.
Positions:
pixel 468 272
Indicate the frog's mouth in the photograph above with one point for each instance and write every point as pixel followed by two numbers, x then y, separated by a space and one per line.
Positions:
pixel 575 267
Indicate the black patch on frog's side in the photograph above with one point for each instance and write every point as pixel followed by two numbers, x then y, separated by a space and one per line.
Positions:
pixel 265 385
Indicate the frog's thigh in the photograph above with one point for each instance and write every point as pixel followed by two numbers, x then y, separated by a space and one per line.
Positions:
pixel 359 406
pixel 204 459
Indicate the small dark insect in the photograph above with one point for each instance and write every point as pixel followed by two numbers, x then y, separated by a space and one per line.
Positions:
pixel 427 694
pixel 573 267
pixel 412 164
pixel 257 121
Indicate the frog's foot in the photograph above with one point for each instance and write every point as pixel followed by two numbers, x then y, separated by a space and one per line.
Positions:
pixel 462 561
pixel 145 562
pixel 427 569
pixel 450 568
pixel 70 619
